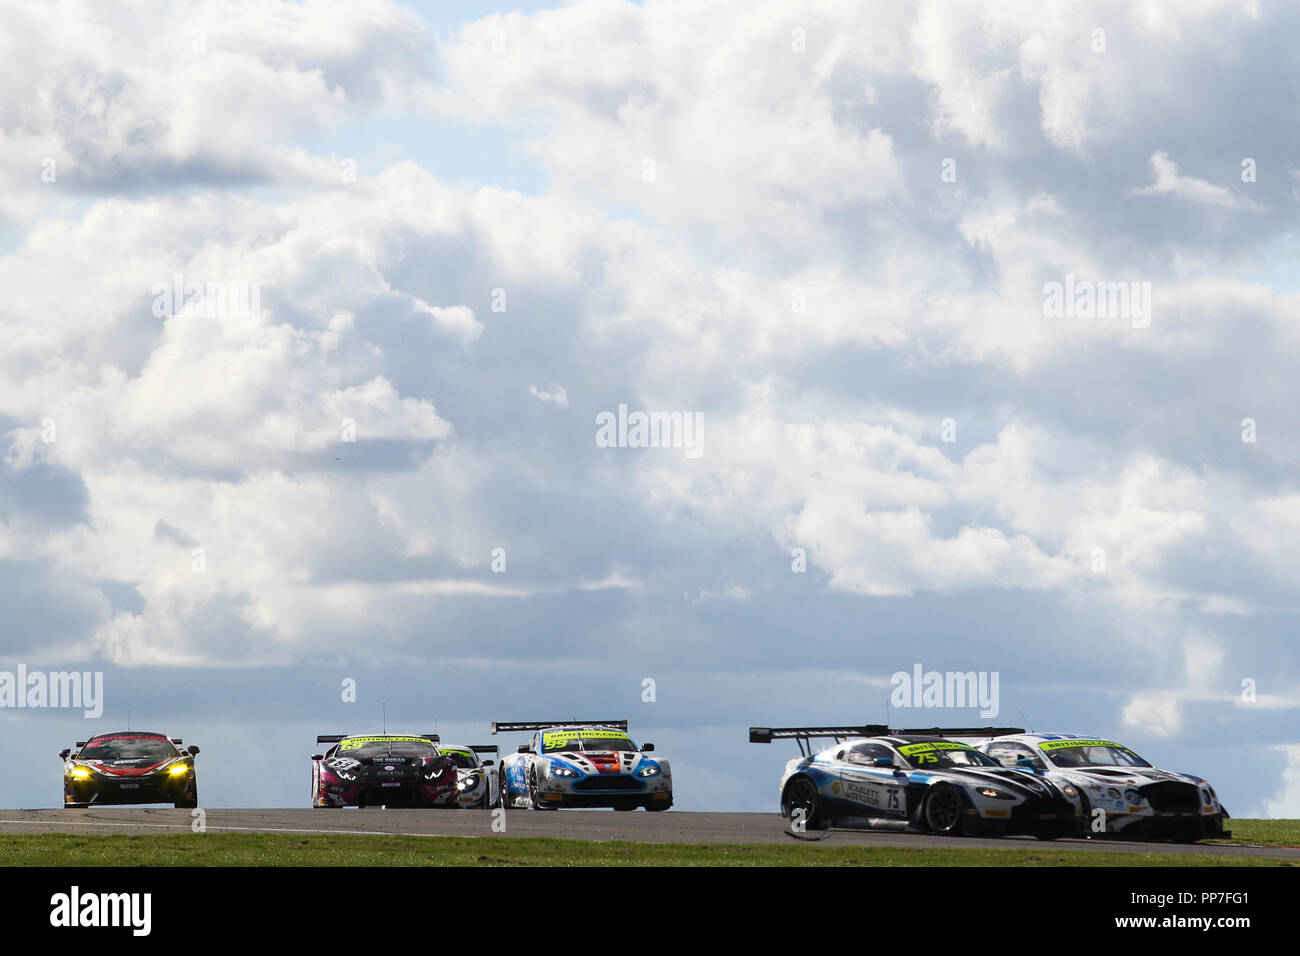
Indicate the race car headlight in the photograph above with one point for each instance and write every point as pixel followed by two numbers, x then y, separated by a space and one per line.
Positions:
pixel 80 773
pixel 1112 793
pixel 1068 790
pixel 1132 796
pixel 994 794
pixel 179 770
pixel 1207 795
pixel 564 772
pixel 648 772
pixel 467 783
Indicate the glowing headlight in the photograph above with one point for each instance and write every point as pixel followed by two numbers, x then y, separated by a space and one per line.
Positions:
pixel 1068 790
pixel 468 782
pixel 995 794
pixel 648 772
pixel 563 772
pixel 80 773
pixel 179 770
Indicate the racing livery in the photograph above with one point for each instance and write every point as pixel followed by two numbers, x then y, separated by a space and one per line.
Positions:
pixel 916 780
pixel 129 767
pixel 385 770
pixel 582 764
pixel 1139 800
pixel 476 785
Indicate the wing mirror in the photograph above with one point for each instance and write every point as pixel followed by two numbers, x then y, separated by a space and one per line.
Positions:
pixel 317 756
pixel 64 753
pixel 522 749
pixel 487 763
pixel 647 748
pixel 193 750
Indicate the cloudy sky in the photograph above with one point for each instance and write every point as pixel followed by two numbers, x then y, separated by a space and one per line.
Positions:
pixel 433 242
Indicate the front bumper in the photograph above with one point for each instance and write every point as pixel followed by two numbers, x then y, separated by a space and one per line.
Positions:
pixel 102 790
pixel 413 794
pixel 1030 818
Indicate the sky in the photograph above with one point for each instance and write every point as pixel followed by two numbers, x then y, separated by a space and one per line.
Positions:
pixel 422 249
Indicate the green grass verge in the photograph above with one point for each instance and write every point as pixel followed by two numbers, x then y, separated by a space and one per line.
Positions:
pixel 1265 832
pixel 274 849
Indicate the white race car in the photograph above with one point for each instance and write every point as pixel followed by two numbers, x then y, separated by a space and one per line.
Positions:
pixel 476 786
pixel 1138 799
pixel 582 764
pixel 916 780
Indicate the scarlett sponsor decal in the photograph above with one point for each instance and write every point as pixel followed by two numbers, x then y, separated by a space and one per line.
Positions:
pixel 35 689
pixel 945 689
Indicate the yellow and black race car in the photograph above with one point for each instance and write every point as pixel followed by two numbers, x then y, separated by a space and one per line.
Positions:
pixel 129 766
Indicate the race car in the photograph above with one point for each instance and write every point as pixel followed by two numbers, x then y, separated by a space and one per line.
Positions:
pixel 1139 800
pixel 591 763
pixel 385 770
pixel 476 786
pixel 129 766
pixel 916 780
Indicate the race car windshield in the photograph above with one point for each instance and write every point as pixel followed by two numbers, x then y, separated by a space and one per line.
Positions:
pixel 555 743
pixel 388 748
pixel 462 760
pixel 937 755
pixel 128 748
pixel 1095 755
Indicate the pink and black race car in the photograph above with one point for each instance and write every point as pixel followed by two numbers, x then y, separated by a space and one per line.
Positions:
pixel 129 767
pixel 382 771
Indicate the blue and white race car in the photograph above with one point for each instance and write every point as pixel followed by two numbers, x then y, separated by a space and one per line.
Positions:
pixel 582 764
pixel 1138 800
pixel 917 780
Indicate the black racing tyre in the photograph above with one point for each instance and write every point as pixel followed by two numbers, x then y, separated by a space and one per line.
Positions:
pixel 535 800
pixel 503 787
pixel 1049 836
pixel 942 810
pixel 802 794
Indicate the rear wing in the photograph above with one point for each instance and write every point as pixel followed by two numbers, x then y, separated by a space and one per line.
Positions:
pixel 335 738
pixel 804 735
pixel 177 741
pixel 531 726
pixel 485 749
pixel 962 731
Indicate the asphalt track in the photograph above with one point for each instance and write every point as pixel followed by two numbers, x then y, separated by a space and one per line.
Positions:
pixel 638 826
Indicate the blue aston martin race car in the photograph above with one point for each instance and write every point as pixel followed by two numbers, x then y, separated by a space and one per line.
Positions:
pixel 917 780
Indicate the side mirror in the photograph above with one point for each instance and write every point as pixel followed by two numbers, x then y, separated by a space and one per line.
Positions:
pixel 64 753
pixel 647 748
pixel 193 750
pixel 522 749
pixel 487 763
pixel 317 756
pixel 883 761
